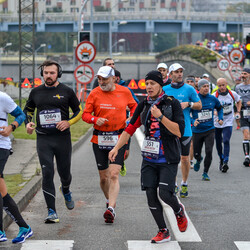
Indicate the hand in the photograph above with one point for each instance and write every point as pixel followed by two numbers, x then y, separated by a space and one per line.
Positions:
pixel 220 122
pixel 155 112
pixel 248 103
pixel 30 127
pixel 215 113
pixel 196 123
pixel 184 105
pixel 62 125
pixel 101 121
pixel 112 154
pixel 5 130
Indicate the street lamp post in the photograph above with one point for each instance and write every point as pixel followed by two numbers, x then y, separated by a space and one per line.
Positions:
pixel 41 46
pixel 6 45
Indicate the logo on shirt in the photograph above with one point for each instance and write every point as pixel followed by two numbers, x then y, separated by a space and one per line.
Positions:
pixel 58 96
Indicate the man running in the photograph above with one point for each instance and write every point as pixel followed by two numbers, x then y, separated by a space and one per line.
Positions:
pixel 203 129
pixel 52 101
pixel 8 106
pixel 223 132
pixel 163 68
pixel 243 89
pixel 106 109
pixel 188 98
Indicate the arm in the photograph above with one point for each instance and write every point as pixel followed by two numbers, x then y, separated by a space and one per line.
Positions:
pixel 220 111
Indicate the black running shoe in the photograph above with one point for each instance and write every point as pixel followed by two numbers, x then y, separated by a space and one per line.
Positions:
pixel 246 162
pixel 224 168
pixel 221 164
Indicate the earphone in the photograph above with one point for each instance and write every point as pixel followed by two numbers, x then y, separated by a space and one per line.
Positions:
pixel 59 69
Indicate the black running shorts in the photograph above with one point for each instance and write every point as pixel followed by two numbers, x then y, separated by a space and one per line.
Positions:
pixel 155 174
pixel 4 155
pixel 185 145
pixel 102 160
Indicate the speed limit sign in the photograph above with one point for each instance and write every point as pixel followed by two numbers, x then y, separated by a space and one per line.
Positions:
pixel 223 64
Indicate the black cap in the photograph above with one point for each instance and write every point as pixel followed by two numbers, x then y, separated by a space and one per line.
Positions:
pixel 246 70
pixel 155 76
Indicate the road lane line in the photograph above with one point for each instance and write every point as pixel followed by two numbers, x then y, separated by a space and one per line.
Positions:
pixel 48 244
pixel 191 235
pixel 147 245
pixel 242 245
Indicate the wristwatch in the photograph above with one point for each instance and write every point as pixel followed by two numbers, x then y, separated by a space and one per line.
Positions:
pixel 190 104
pixel 13 127
pixel 159 118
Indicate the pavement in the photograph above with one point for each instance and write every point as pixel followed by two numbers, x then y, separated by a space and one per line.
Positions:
pixel 25 161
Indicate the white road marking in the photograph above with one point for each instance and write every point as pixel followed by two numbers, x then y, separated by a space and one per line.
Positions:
pixel 242 245
pixel 191 235
pixel 147 245
pixel 48 245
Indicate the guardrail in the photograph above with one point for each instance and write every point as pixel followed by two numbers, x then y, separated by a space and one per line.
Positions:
pixel 145 15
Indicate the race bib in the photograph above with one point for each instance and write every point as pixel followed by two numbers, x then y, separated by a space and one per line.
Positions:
pixel 246 113
pixel 107 140
pixel 49 118
pixel 227 109
pixel 151 147
pixel 205 115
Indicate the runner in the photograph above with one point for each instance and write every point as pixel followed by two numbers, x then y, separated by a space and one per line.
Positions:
pixel 203 129
pixel 188 98
pixel 119 81
pixel 163 122
pixel 243 90
pixel 108 103
pixel 52 101
pixel 163 68
pixel 223 132
pixel 8 106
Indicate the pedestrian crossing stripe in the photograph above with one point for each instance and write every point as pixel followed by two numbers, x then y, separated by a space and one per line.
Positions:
pixel 147 245
pixel 242 245
pixel 48 245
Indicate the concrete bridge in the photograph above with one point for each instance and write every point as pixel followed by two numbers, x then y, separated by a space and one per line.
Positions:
pixel 139 22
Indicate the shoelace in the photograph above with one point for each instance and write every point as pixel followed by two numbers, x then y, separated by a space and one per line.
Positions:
pixel 68 197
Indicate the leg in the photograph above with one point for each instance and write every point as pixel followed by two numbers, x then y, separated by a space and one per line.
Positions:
pixel 105 182
pixel 46 158
pixel 198 144
pixel 218 139
pixel 185 163
pixel 227 132
pixel 209 143
pixel 114 185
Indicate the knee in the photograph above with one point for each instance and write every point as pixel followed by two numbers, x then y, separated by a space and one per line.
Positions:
pixel 185 159
pixel 165 194
pixel 151 197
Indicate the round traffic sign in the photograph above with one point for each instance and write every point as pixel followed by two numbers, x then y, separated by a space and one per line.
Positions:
pixel 236 56
pixel 84 74
pixel 235 71
pixel 223 64
pixel 85 52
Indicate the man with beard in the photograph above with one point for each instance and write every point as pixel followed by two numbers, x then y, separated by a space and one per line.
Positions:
pixel 106 109
pixel 52 101
pixel 243 90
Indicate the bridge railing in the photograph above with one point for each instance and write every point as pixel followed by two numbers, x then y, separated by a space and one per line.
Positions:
pixel 145 15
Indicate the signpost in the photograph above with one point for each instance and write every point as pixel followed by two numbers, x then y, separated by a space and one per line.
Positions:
pixel 85 52
pixel 236 56
pixel 223 64
pixel 84 74
pixel 235 71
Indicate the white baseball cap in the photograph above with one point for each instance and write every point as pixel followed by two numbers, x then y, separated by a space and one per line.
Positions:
pixel 205 75
pixel 175 67
pixel 162 65
pixel 106 72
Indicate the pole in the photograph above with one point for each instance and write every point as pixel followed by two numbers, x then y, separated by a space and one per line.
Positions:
pixel 110 37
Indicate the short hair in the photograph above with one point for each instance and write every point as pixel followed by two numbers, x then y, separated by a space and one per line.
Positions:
pixel 49 63
pixel 105 60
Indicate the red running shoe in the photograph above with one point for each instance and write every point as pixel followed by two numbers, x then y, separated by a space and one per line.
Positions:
pixel 238 127
pixel 162 236
pixel 109 215
pixel 182 221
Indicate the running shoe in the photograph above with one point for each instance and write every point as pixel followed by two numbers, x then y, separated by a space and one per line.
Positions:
pixel 176 190
pixel 224 167
pixel 221 164
pixel 246 162
pixel 191 164
pixel 2 236
pixel 109 215
pixel 181 218
pixel 184 191
pixel 52 217
pixel 24 233
pixel 205 177
pixel 162 236
pixel 70 204
pixel 123 170
pixel 238 127
pixel 197 165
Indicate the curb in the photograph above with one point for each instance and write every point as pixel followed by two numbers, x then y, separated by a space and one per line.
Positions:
pixel 25 195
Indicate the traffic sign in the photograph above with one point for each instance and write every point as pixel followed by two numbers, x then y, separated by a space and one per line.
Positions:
pixel 235 71
pixel 223 64
pixel 84 74
pixel 85 52
pixel 236 56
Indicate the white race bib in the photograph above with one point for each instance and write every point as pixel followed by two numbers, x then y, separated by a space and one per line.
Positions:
pixel 151 147
pixel 205 115
pixel 107 140
pixel 49 118
pixel 246 113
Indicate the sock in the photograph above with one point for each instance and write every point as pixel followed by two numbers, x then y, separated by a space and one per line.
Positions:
pixel 246 148
pixel 11 209
pixel 1 213
pixel 184 183
pixel 65 189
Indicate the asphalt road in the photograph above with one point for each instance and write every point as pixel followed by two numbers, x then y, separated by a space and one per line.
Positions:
pixel 218 209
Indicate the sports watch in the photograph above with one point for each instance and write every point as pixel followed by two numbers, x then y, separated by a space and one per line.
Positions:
pixel 159 118
pixel 13 127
